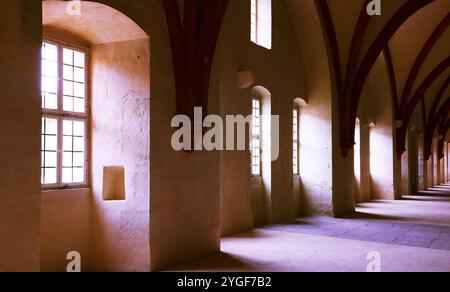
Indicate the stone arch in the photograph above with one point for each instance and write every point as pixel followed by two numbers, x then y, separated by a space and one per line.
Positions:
pixel 96 23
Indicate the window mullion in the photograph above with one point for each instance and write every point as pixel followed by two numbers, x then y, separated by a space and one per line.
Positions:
pixel 59 156
pixel 60 79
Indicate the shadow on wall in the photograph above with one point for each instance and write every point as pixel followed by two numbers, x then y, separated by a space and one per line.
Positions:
pixel 305 203
pixel 315 158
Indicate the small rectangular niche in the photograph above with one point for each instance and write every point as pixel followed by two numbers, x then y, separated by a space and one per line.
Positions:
pixel 114 183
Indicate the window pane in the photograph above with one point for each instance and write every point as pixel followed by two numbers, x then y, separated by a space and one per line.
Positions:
pixel 78 144
pixel 79 90
pixel 79 75
pixel 50 159
pixel 48 150
pixel 79 59
pixel 78 159
pixel 74 151
pixel 51 143
pixel 74 81
pixel 67 159
pixel 49 84
pixel 49 176
pixel 49 126
pixel 49 76
pixel 79 105
pixel 78 175
pixel 50 101
pixel 68 103
pixel 67 128
pixel 68 88
pixel 68 72
pixel 67 143
pixel 49 68
pixel 49 52
pixel 78 129
pixel 67 175
pixel 68 56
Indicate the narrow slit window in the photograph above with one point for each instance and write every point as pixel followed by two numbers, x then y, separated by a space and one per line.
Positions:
pixel 295 132
pixel 253 20
pixel 64 116
pixel 256 137
pixel 261 23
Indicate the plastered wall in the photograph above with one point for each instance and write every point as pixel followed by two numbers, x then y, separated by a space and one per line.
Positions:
pixel 385 169
pixel 435 163
pixel 247 202
pixel 365 161
pixel 184 188
pixel 65 227
pixel 405 188
pixel 20 194
pixel 422 164
pixel 120 129
pixel 315 119
pixel 413 163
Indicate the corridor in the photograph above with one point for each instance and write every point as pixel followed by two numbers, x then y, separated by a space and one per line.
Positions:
pixel 224 135
pixel 411 235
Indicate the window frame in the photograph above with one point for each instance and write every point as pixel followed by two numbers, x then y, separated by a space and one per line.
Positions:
pixel 61 115
pixel 252 148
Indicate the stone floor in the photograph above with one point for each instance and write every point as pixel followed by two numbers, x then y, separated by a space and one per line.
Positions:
pixel 408 234
pixel 412 234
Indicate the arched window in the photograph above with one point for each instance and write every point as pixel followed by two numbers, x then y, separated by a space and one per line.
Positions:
pixel 64 115
pixel 256 137
pixel 261 23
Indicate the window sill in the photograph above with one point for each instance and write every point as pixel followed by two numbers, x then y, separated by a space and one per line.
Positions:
pixel 256 178
pixel 55 190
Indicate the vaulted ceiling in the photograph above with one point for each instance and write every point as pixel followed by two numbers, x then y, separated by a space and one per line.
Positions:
pixel 413 36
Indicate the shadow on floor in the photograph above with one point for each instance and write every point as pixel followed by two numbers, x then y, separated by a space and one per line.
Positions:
pixel 217 261
pixel 442 187
pixel 372 228
pixel 422 198
pixel 375 217
pixel 434 193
